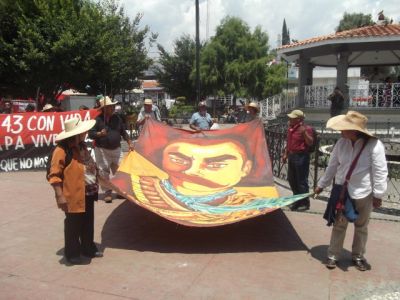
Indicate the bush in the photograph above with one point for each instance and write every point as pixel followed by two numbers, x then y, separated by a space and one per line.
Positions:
pixel 130 110
pixel 181 100
pixel 179 111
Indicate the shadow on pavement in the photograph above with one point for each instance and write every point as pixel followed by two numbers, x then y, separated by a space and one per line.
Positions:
pixel 320 252
pixel 132 227
pixel 63 260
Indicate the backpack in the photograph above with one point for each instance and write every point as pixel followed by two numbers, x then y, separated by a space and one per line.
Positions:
pixel 313 147
pixel 68 158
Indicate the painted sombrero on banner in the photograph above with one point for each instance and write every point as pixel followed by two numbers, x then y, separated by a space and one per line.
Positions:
pixel 201 179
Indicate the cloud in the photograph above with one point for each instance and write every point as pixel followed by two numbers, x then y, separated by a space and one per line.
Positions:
pixel 304 18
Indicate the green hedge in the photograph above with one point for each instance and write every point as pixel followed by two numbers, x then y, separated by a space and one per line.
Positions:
pixel 181 111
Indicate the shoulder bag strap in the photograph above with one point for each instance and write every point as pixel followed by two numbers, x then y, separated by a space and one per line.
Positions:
pixel 348 175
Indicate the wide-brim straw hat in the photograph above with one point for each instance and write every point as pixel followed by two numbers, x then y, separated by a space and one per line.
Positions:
pixel 47 107
pixel 73 127
pixel 254 105
pixel 351 121
pixel 106 101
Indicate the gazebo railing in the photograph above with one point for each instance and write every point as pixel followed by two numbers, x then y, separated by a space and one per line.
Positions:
pixel 373 95
pixel 272 107
pixel 317 95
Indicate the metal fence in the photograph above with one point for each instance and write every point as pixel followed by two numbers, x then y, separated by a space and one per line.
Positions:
pixel 276 139
pixel 272 107
pixel 376 95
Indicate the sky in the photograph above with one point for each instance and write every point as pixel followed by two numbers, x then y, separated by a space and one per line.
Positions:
pixel 304 18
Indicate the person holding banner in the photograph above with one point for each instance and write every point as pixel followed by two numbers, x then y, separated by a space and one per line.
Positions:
pixel 107 133
pixel 253 110
pixel 201 120
pixel 357 163
pixel 149 110
pixel 73 176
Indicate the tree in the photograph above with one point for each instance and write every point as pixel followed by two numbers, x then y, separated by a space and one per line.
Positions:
pixel 174 69
pixel 234 62
pixel 285 34
pixel 276 79
pixel 355 20
pixel 56 44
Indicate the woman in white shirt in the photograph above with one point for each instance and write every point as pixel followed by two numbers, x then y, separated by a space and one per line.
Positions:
pixel 366 185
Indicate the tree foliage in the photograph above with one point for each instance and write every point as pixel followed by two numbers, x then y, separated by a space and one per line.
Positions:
pixel 174 69
pixel 354 20
pixel 55 44
pixel 235 61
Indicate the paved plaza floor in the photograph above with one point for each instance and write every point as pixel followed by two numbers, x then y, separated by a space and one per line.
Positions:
pixel 276 256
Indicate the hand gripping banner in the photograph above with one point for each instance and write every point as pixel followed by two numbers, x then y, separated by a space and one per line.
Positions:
pixel 201 179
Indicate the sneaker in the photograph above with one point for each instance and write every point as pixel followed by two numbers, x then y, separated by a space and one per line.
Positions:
pixel 360 264
pixel 93 254
pixel 303 207
pixel 331 263
pixel 74 260
pixel 108 197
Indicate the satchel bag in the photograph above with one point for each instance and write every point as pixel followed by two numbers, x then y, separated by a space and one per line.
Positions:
pixel 345 205
pixel 335 209
pixel 350 211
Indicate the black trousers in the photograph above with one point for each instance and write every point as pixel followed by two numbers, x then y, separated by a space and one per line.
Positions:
pixel 298 170
pixel 79 231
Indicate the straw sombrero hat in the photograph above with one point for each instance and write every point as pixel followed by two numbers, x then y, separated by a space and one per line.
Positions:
pixel 106 101
pixel 73 127
pixel 351 121
pixel 254 105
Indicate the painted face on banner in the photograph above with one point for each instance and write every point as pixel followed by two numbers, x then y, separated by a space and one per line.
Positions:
pixel 204 169
pixel 200 179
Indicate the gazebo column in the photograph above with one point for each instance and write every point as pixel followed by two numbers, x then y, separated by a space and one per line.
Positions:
pixel 341 77
pixel 305 78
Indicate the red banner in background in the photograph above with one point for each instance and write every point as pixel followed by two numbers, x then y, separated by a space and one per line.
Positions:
pixel 26 138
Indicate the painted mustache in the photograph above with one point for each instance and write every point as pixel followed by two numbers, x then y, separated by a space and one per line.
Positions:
pixel 182 177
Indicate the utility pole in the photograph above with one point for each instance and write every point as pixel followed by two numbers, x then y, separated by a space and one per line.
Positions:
pixel 207 21
pixel 197 54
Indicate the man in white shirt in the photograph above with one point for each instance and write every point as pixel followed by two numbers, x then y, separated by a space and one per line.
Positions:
pixel 366 186
pixel 149 110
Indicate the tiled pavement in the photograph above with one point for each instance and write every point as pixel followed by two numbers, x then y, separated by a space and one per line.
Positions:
pixel 276 256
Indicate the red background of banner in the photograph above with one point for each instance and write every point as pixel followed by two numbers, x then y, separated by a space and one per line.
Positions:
pixel 26 127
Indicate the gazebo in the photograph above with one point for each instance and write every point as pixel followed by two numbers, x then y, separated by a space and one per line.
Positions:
pixel 369 46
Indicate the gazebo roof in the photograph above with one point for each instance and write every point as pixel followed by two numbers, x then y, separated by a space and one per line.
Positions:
pixel 369 45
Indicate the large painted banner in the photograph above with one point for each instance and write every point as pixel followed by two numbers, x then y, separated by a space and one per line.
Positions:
pixel 26 138
pixel 201 179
